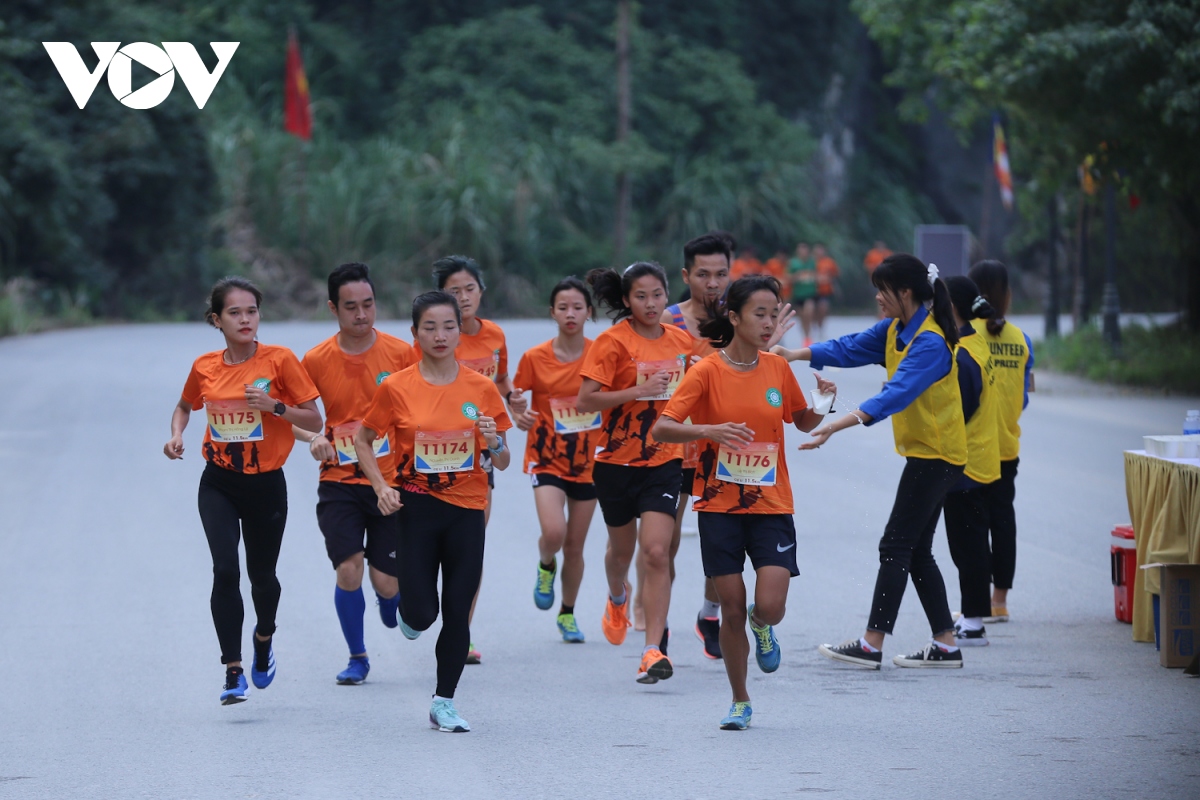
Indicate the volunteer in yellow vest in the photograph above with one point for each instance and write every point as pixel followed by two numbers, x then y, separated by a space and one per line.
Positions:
pixel 1012 364
pixel 966 508
pixel 915 342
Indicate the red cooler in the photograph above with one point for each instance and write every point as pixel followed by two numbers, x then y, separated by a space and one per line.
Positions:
pixel 1124 568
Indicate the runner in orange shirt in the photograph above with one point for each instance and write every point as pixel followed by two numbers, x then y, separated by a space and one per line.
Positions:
pixel 253 393
pixel 747 264
pixel 481 347
pixel 628 372
pixel 346 368
pixel 559 446
pixel 740 400
pixel 440 417
pixel 873 259
pixel 827 273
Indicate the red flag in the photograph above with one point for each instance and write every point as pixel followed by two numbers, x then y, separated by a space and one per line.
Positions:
pixel 1000 163
pixel 297 115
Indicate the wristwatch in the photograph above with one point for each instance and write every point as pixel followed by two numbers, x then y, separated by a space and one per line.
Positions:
pixel 499 448
pixel 280 409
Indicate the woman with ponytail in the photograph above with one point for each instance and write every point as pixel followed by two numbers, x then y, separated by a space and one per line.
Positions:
pixel 966 508
pixel 915 343
pixel 629 373
pixel 1012 360
pixel 740 402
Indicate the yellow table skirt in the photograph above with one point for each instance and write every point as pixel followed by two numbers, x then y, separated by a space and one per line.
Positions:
pixel 1164 506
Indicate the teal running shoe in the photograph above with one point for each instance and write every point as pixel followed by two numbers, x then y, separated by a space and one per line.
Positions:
pixel 355 672
pixel 443 717
pixel 766 646
pixel 409 633
pixel 543 590
pixel 569 629
pixel 738 718
pixel 235 689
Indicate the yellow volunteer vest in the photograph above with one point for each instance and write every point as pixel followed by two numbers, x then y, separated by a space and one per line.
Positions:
pixel 932 426
pixel 983 443
pixel 1009 355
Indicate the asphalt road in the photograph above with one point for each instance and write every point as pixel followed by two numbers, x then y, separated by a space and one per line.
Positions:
pixel 112 665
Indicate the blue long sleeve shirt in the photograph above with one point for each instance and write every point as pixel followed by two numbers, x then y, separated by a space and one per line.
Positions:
pixel 1028 368
pixel 927 362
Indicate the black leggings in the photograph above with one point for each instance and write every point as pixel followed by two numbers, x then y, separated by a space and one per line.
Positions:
pixel 907 546
pixel 433 534
pixel 1002 518
pixel 234 505
pixel 967 535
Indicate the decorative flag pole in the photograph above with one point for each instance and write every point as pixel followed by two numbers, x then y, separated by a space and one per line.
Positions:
pixel 297 114
pixel 1000 163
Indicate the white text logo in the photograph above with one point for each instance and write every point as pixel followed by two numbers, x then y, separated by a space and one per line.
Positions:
pixel 165 61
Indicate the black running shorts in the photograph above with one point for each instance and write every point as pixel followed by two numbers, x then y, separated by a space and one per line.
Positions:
pixel 348 512
pixel 573 489
pixel 689 478
pixel 725 539
pixel 625 493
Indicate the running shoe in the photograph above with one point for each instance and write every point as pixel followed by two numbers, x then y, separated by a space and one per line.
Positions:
pixel 262 677
pixel 665 640
pixel 389 609
pixel 708 631
pixel 969 638
pixel 569 629
pixel 473 655
pixel 543 589
pixel 655 667
pixel 931 657
pixel 738 718
pixel 615 621
pixel 443 717
pixel 409 633
pixel 999 614
pixel 851 651
pixel 235 689
pixel 355 672
pixel 766 646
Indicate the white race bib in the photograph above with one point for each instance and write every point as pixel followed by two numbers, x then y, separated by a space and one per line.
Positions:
pixel 674 367
pixel 233 421
pixel 754 465
pixel 435 452
pixel 568 419
pixel 343 443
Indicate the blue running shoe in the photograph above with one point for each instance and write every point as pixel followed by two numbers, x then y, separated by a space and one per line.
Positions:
pixel 738 718
pixel 262 677
pixel 355 672
pixel 389 609
pixel 543 590
pixel 766 646
pixel 569 629
pixel 235 690
pixel 443 717
pixel 409 633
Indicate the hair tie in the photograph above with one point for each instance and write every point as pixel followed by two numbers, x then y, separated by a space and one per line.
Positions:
pixel 932 272
pixel 631 266
pixel 979 305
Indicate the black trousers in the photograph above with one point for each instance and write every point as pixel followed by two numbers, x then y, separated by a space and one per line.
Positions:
pixel 966 516
pixel 253 508
pixel 907 546
pixel 1002 518
pixel 435 534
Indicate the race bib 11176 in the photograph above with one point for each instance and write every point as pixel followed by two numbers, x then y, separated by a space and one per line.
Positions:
pixel 444 451
pixel 568 419
pixel 343 443
pixel 233 421
pixel 754 465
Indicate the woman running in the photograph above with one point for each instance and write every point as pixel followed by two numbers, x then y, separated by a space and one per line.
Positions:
pixel 966 508
pixel 1012 362
pixel 629 372
pixel 253 394
pixel 482 348
pixel 739 401
pixel 558 449
pixel 441 418
pixel 916 345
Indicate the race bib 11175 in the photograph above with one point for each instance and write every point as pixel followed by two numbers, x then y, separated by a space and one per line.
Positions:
pixel 233 421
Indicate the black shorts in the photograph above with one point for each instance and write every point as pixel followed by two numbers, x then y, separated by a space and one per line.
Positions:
pixel 573 489
pixel 626 493
pixel 347 511
pixel 689 478
pixel 485 464
pixel 725 539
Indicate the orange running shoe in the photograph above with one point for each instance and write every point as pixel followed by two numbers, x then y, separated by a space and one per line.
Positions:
pixel 655 667
pixel 616 621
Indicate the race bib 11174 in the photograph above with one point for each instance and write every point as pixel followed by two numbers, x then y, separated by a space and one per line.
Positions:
pixel 569 419
pixel 754 465
pixel 444 451
pixel 233 421
pixel 343 443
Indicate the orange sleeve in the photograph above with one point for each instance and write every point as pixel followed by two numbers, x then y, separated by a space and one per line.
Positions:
pixel 523 380
pixel 297 385
pixel 794 401
pixel 381 414
pixel 503 365
pixel 688 395
pixel 494 408
pixel 191 389
pixel 601 362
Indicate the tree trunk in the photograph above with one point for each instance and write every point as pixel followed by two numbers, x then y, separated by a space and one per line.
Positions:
pixel 1052 304
pixel 624 114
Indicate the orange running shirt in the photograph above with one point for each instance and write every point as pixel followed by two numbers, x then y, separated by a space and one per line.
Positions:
pixel 486 352
pixel 874 258
pixel 347 384
pixel 777 268
pixel 700 347
pixel 620 359
pixel 827 270
pixel 562 441
pixel 432 429
pixel 237 437
pixel 753 480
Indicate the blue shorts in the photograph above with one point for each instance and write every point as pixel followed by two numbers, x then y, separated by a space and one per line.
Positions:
pixel 726 539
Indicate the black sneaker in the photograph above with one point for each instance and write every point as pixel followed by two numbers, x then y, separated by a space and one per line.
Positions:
pixel 662 643
pixel 931 657
pixel 708 631
pixel 965 638
pixel 851 651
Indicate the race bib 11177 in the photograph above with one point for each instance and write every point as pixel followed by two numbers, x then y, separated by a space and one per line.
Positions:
pixel 674 369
